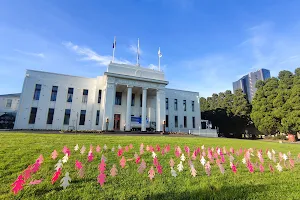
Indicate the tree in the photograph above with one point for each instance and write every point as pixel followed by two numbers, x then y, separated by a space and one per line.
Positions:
pixel 240 111
pixel 283 94
pixel 204 106
pixel 214 102
pixel 262 107
pixel 291 119
pixel 220 112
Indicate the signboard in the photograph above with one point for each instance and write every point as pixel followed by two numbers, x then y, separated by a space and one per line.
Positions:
pixel 138 120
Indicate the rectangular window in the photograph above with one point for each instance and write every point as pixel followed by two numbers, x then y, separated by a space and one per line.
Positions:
pixel 70 94
pixel 97 117
pixel 141 100
pixel 67 116
pixel 99 96
pixel 193 106
pixel 85 96
pixel 194 125
pixel 132 99
pixel 118 100
pixel 176 121
pixel 37 92
pixel 167 121
pixel 8 103
pixel 167 103
pixel 54 93
pixel 175 104
pixel 50 115
pixel 82 117
pixel 32 115
pixel 184 122
pixel 184 105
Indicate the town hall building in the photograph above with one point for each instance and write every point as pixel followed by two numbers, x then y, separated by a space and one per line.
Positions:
pixel 125 98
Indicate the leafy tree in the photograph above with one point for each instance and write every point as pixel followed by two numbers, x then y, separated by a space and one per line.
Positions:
pixel 240 105
pixel 291 119
pixel 214 102
pixel 262 106
pixel 204 106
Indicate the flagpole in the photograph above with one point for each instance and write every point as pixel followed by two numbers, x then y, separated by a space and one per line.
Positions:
pixel 114 48
pixel 158 58
pixel 138 52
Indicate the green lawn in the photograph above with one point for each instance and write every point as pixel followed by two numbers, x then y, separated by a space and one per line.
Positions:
pixel 18 150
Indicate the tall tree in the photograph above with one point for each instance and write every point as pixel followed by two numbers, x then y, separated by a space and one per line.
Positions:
pixel 204 106
pixel 262 106
pixel 283 94
pixel 214 101
pixel 291 119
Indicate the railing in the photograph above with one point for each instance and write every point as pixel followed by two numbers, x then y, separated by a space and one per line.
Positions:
pixel 205 132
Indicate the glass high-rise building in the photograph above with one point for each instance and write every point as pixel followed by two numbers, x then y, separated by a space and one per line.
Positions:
pixel 247 82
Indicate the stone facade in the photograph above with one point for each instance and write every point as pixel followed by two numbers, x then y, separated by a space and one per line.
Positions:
pixel 112 101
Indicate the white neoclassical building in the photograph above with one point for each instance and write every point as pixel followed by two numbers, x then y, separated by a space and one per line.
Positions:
pixel 126 97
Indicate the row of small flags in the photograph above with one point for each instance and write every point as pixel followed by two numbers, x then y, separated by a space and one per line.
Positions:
pixel 206 156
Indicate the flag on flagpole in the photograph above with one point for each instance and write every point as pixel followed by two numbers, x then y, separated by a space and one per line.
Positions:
pixel 138 53
pixel 159 56
pixel 114 43
pixel 114 48
pixel 159 53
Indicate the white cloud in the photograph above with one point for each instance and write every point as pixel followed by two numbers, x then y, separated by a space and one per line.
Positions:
pixel 40 55
pixel 133 49
pixel 90 55
pixel 155 67
pixel 263 47
pixel 271 49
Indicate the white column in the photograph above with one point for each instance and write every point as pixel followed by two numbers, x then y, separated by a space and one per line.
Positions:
pixel 160 109
pixel 144 111
pixel 128 112
pixel 109 103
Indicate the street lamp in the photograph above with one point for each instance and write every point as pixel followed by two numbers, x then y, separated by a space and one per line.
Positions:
pixel 107 122
pixel 164 126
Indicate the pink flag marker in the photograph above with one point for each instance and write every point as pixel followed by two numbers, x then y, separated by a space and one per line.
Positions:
pixel 172 163
pixel 261 168
pixel 157 148
pixel 66 150
pixel 271 168
pixel 98 148
pixel 18 184
pixel 27 172
pixel 113 171
pixel 90 157
pixel 35 182
pixel 40 159
pixel 155 161
pixel 250 167
pixel 123 162
pixel 142 166
pixel 102 166
pixel 292 163
pixel 233 168
pixel 126 148
pixel 120 152
pixel 159 169
pixel 55 176
pixel 36 166
pixel 151 173
pixel 101 179
pixel 78 165
pixel 54 155
pixel 137 160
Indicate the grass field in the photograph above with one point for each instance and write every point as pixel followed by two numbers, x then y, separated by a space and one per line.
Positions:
pixel 18 150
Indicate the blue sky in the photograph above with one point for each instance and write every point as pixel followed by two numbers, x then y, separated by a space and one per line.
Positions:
pixel 206 45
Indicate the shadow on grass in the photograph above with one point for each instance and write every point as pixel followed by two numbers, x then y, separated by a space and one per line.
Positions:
pixel 225 192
